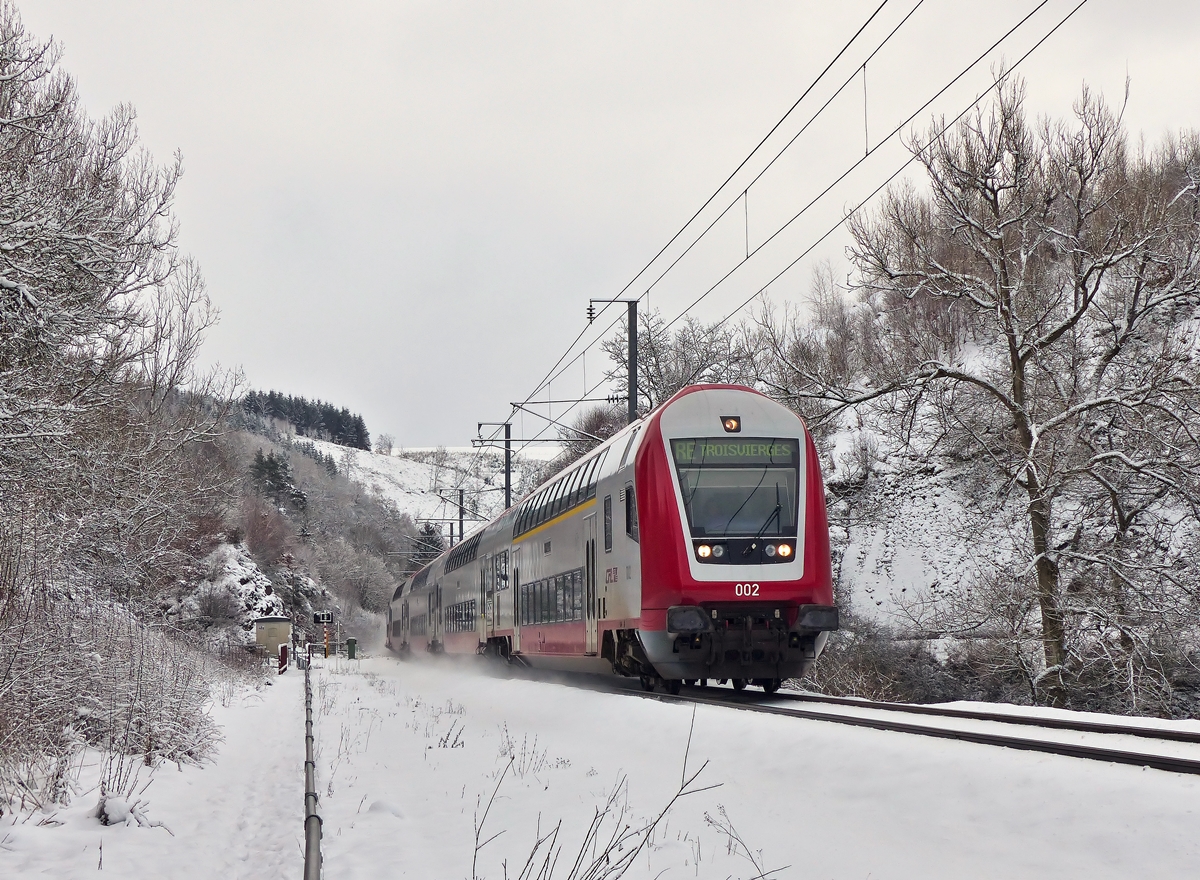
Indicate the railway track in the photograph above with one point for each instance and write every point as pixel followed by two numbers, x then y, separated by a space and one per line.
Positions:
pixel 873 715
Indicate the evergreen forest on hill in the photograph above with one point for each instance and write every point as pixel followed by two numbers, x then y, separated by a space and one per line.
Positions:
pixel 311 418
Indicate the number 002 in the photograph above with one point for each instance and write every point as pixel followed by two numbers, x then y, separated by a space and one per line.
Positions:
pixel 745 589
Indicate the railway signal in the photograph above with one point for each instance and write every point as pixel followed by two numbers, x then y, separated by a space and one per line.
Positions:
pixel 324 618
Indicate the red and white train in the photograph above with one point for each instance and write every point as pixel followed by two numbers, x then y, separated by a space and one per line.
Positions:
pixel 692 545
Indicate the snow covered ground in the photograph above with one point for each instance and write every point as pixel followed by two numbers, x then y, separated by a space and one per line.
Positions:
pixel 410 753
pixel 238 817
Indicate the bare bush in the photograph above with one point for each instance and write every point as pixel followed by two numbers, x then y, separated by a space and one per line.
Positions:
pixel 80 671
pixel 111 480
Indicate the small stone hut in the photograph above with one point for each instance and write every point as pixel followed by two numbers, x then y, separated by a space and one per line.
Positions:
pixel 271 632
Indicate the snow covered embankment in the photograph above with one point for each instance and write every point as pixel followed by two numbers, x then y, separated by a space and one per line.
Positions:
pixel 239 817
pixel 411 754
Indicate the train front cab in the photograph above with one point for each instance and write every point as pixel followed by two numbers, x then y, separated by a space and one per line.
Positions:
pixel 736 573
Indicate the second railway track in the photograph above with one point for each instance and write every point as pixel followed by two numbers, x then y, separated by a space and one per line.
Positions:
pixel 791 705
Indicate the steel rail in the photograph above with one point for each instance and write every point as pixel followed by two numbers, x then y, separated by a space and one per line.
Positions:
pixel 312 821
pixel 1091 753
pixel 1185 736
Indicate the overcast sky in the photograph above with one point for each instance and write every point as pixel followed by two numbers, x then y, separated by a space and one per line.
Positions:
pixel 404 207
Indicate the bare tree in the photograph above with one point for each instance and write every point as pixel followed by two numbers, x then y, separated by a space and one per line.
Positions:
pixel 111 480
pixel 1040 308
pixel 670 360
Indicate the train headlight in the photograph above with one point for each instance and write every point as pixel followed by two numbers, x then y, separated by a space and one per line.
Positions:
pixel 731 424
pixel 785 550
pixel 718 551
pixel 704 551
pixel 769 550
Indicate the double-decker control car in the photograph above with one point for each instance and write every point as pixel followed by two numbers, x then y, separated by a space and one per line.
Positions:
pixel 692 545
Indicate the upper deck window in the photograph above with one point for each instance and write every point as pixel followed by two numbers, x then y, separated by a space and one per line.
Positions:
pixel 738 487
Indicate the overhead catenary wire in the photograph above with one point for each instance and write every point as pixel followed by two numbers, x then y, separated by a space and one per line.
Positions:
pixel 912 158
pixel 983 56
pixel 559 367
pixel 850 170
pixel 548 377
pixel 893 133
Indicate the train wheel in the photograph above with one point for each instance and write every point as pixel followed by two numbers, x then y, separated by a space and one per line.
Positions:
pixel 647 683
pixel 770 685
pixel 673 686
pixel 689 681
pixel 739 684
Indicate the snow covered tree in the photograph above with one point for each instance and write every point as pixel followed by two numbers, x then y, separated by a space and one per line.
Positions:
pixel 427 545
pixel 111 481
pixel 670 360
pixel 1039 308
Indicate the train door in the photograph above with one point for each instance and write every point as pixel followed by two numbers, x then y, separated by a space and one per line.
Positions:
pixel 589 577
pixel 515 589
pixel 435 613
pixel 485 598
pixel 501 583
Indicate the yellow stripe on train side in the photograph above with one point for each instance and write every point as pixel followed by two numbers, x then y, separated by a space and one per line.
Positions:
pixel 574 510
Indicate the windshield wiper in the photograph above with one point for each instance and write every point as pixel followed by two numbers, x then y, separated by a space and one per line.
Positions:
pixel 753 545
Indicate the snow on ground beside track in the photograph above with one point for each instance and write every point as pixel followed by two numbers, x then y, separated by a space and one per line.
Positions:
pixel 238 817
pixel 410 753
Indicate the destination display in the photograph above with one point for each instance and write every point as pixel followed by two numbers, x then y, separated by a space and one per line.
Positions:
pixel 696 451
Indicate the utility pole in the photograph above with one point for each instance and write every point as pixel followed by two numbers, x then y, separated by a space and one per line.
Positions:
pixel 507 458
pixel 460 515
pixel 632 361
pixel 633 346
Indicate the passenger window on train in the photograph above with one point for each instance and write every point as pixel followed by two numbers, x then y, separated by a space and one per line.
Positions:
pixel 628 446
pixel 594 478
pixel 589 480
pixel 607 523
pixel 631 518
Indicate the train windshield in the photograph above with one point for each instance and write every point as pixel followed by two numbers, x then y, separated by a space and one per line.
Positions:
pixel 743 486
